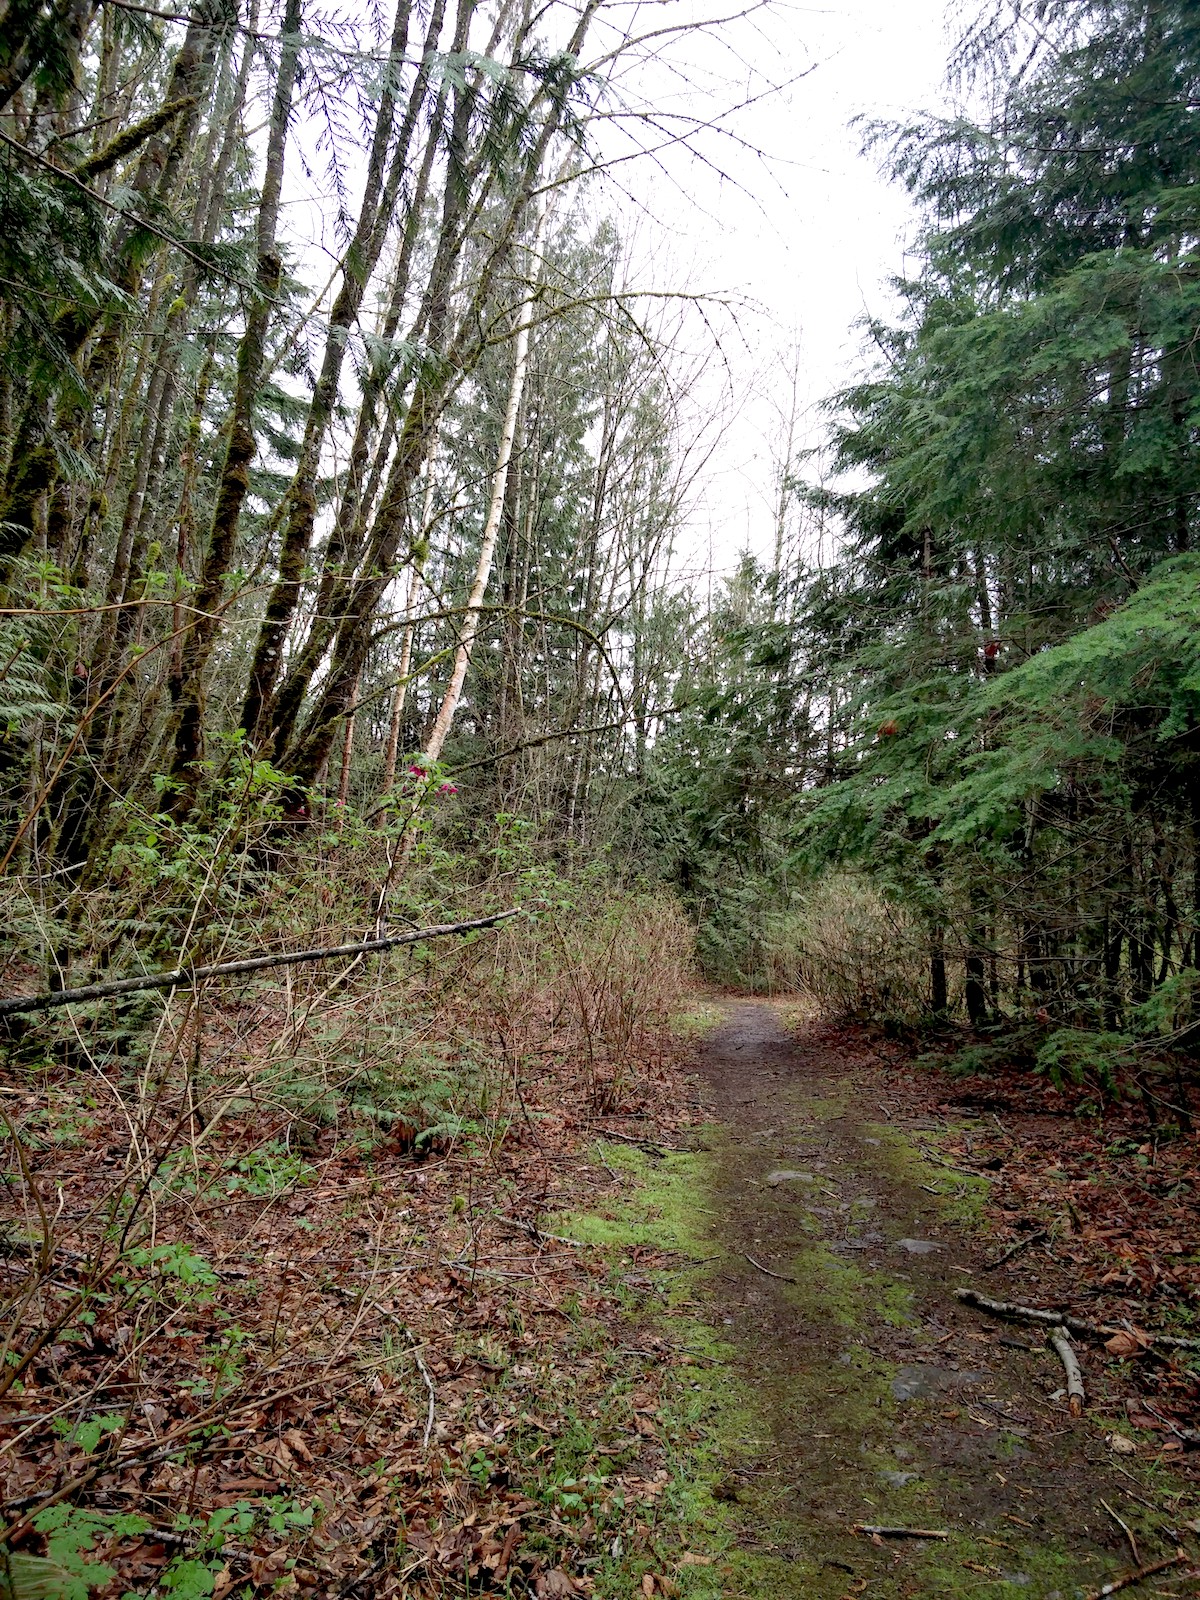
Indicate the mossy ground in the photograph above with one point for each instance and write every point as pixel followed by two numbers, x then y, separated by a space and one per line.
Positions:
pixel 775 1447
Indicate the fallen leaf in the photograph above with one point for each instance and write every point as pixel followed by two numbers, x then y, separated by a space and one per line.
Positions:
pixel 511 1540
pixel 647 1583
pixel 553 1583
pixel 1120 1445
pixel 264 1570
pixel 687 1559
pixel 1123 1344
pixel 295 1441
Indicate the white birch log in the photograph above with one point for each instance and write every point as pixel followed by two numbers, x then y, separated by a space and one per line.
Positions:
pixel 1061 1342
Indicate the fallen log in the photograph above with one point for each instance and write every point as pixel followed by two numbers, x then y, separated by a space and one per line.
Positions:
pixel 1009 1311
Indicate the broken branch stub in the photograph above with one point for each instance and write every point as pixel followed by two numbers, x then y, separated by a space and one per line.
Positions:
pixel 1060 1342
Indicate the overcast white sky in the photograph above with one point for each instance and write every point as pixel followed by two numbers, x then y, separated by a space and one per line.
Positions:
pixel 806 238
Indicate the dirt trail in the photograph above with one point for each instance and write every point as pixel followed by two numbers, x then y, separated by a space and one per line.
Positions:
pixel 878 1399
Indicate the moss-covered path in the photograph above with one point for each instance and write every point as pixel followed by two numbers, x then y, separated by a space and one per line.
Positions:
pixel 849 1386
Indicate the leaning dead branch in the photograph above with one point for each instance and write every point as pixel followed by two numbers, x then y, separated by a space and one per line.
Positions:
pixel 185 977
pixel 1009 1311
pixel 1060 1342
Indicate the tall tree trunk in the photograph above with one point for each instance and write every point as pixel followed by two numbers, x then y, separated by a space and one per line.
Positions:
pixel 400 694
pixel 343 793
pixel 362 484
pixel 362 257
pixel 939 996
pixel 462 657
pixel 974 992
pixel 187 689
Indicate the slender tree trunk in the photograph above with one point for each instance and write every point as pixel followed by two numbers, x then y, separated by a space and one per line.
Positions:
pixel 343 794
pixel 462 656
pixel 939 996
pixel 400 694
pixel 974 992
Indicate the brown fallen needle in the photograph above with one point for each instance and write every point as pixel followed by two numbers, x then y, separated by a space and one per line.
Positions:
pixel 878 1531
pixel 1130 1578
pixel 767 1270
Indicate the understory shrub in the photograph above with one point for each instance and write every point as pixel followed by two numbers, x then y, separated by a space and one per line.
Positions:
pixel 852 950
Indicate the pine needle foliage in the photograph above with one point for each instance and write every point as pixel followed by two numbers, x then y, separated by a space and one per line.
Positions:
pixel 1019 619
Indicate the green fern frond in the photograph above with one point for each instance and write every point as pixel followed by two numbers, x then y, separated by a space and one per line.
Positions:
pixel 25 1577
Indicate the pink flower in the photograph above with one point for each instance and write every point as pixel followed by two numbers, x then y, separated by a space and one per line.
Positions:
pixel 416 772
pixel 447 788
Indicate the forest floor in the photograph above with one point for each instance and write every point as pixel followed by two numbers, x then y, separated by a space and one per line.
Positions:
pixel 687 1345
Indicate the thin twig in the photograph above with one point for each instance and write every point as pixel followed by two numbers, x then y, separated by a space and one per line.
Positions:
pixel 1125 1529
pixel 540 1234
pixel 1190 1436
pixel 640 1144
pixel 1130 1578
pixel 963 1172
pixel 1014 1250
pixel 424 1370
pixel 768 1271
pixel 415 1351
pixel 878 1531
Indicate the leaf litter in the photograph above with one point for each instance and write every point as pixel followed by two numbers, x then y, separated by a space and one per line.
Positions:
pixel 344 1369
